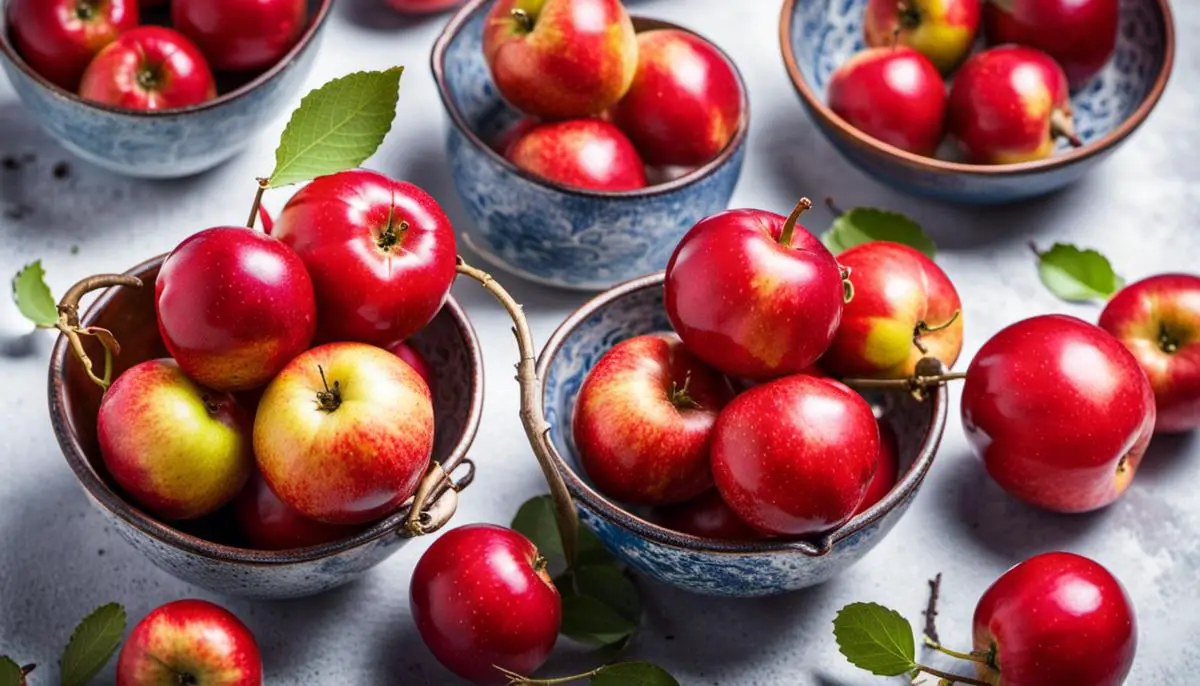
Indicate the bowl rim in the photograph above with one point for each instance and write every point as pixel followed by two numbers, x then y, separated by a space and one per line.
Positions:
pixel 438 64
pixel 164 533
pixel 819 110
pixel 314 26
pixel 608 510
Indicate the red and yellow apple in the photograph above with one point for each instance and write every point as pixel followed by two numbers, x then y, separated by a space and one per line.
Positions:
pixel 942 30
pixel 191 642
pixel 268 523
pixel 581 153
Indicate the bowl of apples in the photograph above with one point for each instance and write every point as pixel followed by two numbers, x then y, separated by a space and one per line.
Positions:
pixel 581 160
pixel 978 101
pixel 157 92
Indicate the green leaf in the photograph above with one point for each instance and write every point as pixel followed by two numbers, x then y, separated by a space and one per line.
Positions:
pixel 1077 275
pixel 875 638
pixel 611 586
pixel 536 521
pixel 10 672
pixel 588 620
pixel 592 551
pixel 337 126
pixel 633 674
pixel 32 295
pixel 92 645
pixel 866 224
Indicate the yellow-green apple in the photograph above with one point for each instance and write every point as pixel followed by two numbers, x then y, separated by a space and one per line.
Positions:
pixel 1010 104
pixel 892 94
pixel 344 433
pixel 1057 619
pixel 583 153
pixel 708 516
pixel 904 308
pixel 1080 35
pixel 192 642
pixel 560 59
pixel 888 467
pixel 1059 411
pixel 1158 319
pixel 644 418
pixel 268 523
pixel 178 449
pixel 942 30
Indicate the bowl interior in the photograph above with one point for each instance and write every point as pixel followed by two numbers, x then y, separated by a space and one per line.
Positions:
pixel 447 343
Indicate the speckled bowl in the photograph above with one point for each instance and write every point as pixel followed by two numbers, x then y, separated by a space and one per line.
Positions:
pixel 170 143
pixel 817 36
pixel 187 551
pixel 546 232
pixel 711 567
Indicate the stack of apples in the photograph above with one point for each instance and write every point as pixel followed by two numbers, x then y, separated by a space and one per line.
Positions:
pixel 607 108
pixel 311 442
pixel 1009 103
pixel 101 50
pixel 760 306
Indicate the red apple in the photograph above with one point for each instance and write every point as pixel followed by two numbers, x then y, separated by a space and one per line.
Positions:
pixel 707 517
pixel 1158 319
pixel 887 470
pixel 234 306
pixel 904 308
pixel 560 59
pixel 1009 105
pixel 583 153
pixel 415 360
pixel 178 449
pixel 685 102
pixel 1080 35
pixel 149 68
pixel 423 6
pixel 1057 619
pixel 795 456
pixel 59 38
pixel 893 94
pixel 237 35
pixel 754 295
pixel 1059 411
pixel 644 418
pixel 268 523
pixel 482 600
pixel 942 30
pixel 191 642
pixel 344 433
pixel 381 254
pixel 513 133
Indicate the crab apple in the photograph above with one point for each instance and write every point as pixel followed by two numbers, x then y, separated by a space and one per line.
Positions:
pixel 190 642
pixel 1158 319
pixel 904 308
pixel 708 516
pixel 888 467
pixel 483 601
pixel 1080 35
pixel 644 418
pixel 1057 619
pixel 560 59
pixel 942 30
pixel 1059 411
pixel 149 68
pixel 892 94
pixel 241 35
pixel 1010 104
pixel 59 38
pixel 583 153
pixel 268 523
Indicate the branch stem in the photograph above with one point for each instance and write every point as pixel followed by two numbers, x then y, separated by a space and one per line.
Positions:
pixel 931 634
pixel 68 321
pixel 908 384
pixel 515 679
pixel 952 678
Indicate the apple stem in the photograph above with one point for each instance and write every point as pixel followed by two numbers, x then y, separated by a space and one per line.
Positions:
pixel 1062 125
pixel 523 19
pixel 952 678
pixel 537 429
pixel 1167 342
pixel 922 328
pixel 680 397
pixel 789 227
pixel 847 285
pixel 916 384
pixel 263 184
pixel 68 323
pixel 329 399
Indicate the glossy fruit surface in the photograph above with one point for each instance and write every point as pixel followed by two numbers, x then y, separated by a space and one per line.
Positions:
pixel 888 467
pixel 415 360
pixel 481 598
pixel 942 30
pixel 708 516
pixel 149 68
pixel 582 153
pixel 241 35
pixel 893 94
pixel 1057 619
pixel 191 642
pixel 1080 35
pixel 381 254
pixel 1059 411
pixel 59 38
pixel 268 523
pixel 644 418
pixel 234 306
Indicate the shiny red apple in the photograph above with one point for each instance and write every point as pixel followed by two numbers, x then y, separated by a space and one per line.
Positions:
pixel 241 35
pixel 893 94
pixel 482 600
pixel 234 306
pixel 1080 35
pixel 582 153
pixel 753 294
pixel 381 254
pixel 708 516
pixel 59 38
pixel 423 6
pixel 190 642
pixel 1158 319
pixel 149 68
pixel 1059 411
pixel 1057 619
pixel 268 523
pixel 887 470
pixel 644 418
pixel 417 361
pixel 942 30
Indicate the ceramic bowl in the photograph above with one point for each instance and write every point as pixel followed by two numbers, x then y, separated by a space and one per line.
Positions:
pixel 546 232
pixel 710 567
pixel 818 36
pixel 172 143
pixel 188 551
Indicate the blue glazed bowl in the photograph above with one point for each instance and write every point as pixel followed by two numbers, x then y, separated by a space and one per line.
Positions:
pixel 818 36
pixel 191 551
pixel 711 567
pixel 546 232
pixel 172 143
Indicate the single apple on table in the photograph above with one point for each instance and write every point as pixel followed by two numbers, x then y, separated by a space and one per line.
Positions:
pixel 582 153
pixel 237 35
pixel 268 523
pixel 149 68
pixel 1158 319
pixel 1081 35
pixel 59 38
pixel 178 449
pixel 190 642
pixel 942 30
pixel 708 516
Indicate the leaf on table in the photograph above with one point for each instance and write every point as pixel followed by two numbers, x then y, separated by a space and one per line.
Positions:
pixel 611 586
pixel 33 297
pixel 536 521
pixel 1077 275
pixel 633 674
pixel 865 224
pixel 875 638
pixel 337 126
pixel 10 672
pixel 588 620
pixel 92 645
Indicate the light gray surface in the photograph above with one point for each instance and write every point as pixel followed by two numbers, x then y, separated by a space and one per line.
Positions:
pixel 58 560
